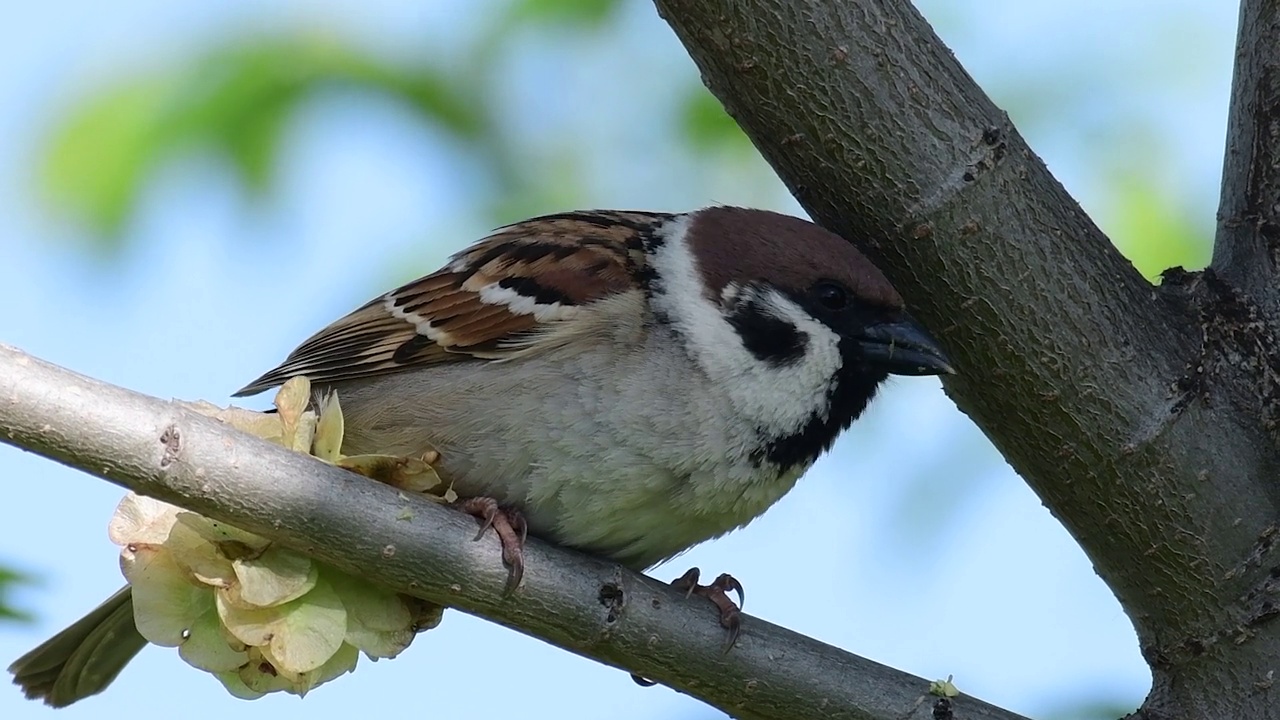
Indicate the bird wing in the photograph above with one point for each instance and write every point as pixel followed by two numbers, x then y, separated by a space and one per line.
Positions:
pixel 492 300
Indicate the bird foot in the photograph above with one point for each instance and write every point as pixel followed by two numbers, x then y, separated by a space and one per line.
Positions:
pixel 512 531
pixel 718 593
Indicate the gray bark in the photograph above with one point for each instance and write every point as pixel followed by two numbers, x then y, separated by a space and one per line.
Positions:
pixel 1143 416
pixel 1246 249
pixel 583 604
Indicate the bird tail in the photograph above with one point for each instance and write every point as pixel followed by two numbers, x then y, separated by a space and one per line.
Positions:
pixel 83 659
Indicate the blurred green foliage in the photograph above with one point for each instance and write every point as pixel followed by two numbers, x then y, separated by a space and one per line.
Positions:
pixel 236 101
pixel 582 13
pixel 1153 231
pixel 707 126
pixel 9 580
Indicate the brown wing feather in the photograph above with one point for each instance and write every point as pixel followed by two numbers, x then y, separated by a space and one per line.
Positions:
pixel 488 300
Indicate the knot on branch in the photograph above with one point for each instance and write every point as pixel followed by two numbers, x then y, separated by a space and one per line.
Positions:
pixel 171 440
pixel 990 151
pixel 987 152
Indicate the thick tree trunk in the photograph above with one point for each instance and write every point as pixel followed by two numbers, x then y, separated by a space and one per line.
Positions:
pixel 1144 417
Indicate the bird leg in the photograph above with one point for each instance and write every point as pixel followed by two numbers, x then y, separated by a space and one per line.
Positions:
pixel 512 531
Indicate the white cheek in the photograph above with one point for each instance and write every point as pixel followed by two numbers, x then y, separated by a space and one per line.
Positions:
pixel 780 398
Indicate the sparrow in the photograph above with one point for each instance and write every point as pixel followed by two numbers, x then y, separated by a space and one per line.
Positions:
pixel 628 384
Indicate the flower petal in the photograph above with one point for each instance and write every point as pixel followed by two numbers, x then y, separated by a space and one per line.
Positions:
pixel 140 519
pixel 236 686
pixel 275 577
pixel 165 603
pixel 379 622
pixel 206 646
pixel 303 634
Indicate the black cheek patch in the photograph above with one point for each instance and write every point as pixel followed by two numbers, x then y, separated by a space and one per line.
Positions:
pixel 769 339
pixel 853 389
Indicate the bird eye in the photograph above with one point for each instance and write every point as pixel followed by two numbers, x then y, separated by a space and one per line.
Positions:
pixel 831 295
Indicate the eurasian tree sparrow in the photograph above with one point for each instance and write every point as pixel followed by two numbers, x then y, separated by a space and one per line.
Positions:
pixel 630 383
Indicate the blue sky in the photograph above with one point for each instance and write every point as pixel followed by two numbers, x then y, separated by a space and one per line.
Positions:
pixel 912 543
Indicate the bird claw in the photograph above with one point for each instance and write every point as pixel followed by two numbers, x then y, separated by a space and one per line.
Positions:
pixel 718 593
pixel 512 531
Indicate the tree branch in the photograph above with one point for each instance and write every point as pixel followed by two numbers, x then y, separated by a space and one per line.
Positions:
pixel 585 605
pixel 1125 407
pixel 1246 251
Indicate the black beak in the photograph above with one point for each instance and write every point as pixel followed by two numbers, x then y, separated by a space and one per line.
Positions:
pixel 902 347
